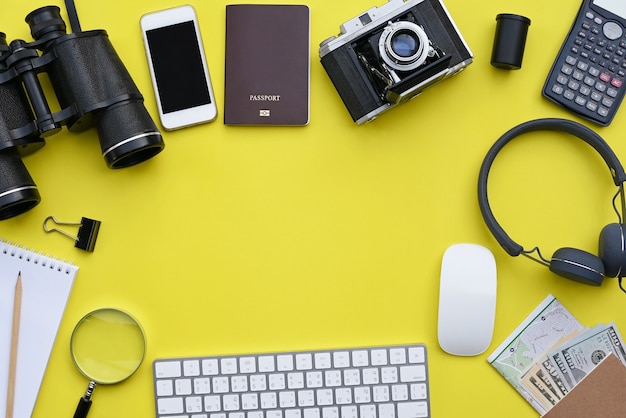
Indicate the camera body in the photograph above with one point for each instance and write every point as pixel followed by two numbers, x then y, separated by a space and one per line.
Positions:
pixel 390 54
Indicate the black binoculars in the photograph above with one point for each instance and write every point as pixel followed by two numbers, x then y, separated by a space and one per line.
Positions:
pixel 92 87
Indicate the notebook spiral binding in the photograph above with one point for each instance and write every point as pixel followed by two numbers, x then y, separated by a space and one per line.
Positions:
pixel 38 258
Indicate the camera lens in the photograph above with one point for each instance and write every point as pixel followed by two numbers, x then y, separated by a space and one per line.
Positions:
pixel 403 45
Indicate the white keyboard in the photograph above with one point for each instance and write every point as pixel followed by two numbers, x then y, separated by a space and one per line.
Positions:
pixel 366 382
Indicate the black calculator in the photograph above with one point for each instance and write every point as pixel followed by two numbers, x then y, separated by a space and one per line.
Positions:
pixel 589 73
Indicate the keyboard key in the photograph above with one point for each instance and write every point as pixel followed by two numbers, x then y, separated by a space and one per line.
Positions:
pixel 379 357
pixel 164 388
pixel 304 361
pixel 284 363
pixel 367 411
pixel 258 382
pixel 228 366
pixel 370 376
pixel 360 358
pixel 168 369
pixel 412 373
pixel 193 404
pixel 269 400
pixel 397 356
pixel 295 380
pixel 412 410
pixel 247 365
pixel 351 377
pixel 341 359
pixel 311 413
pixel 191 368
pixel 183 387
pixel 417 355
pixel 170 406
pixel 323 361
pixel 314 379
pixel 266 364
pixel 306 398
pixel 209 367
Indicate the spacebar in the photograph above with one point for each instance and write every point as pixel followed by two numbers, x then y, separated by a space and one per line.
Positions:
pixel 413 410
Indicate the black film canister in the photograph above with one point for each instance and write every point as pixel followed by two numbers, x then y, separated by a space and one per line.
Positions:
pixel 509 41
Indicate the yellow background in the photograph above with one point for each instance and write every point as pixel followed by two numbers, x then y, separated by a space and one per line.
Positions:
pixel 239 239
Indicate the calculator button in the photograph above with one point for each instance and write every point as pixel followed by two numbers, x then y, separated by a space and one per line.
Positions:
pixel 567 69
pixel 616 82
pixel 612 30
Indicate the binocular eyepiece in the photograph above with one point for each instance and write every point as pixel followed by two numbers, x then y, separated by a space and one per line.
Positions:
pixel 93 89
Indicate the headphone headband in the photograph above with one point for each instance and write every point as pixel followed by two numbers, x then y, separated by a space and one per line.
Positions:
pixel 548 124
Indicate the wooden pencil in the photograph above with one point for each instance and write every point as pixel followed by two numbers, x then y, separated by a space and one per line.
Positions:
pixel 15 334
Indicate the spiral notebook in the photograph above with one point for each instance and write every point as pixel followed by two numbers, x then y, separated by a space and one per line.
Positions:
pixel 46 286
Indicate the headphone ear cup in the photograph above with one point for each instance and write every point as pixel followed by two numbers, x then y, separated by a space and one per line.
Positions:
pixel 611 249
pixel 578 265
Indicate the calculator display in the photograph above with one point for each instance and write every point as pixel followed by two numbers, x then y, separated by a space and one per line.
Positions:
pixel 617 7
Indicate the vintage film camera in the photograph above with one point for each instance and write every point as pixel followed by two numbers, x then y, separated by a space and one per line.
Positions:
pixel 92 87
pixel 390 54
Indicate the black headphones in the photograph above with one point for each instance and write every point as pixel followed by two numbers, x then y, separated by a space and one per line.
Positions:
pixel 571 263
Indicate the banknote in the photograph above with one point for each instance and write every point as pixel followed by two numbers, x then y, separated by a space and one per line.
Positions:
pixel 540 387
pixel 542 380
pixel 577 358
pixel 546 325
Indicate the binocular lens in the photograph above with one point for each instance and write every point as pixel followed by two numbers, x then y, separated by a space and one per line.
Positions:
pixel 18 192
pixel 128 135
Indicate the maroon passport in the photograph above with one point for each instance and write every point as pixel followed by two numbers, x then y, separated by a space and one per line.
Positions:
pixel 267 74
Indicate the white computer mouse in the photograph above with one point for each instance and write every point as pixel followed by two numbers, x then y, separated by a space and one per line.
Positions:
pixel 467 299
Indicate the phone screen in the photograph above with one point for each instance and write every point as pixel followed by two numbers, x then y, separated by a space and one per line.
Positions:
pixel 178 68
pixel 617 7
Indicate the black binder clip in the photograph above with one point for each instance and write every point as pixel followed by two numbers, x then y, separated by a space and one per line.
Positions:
pixel 87 232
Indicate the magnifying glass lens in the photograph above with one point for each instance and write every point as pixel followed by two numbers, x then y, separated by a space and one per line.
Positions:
pixel 107 346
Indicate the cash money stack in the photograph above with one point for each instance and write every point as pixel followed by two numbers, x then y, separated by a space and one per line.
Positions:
pixel 551 352
pixel 559 370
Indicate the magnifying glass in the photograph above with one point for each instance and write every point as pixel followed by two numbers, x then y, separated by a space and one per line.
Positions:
pixel 107 347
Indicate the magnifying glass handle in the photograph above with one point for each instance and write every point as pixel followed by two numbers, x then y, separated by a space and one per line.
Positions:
pixel 83 408
pixel 85 402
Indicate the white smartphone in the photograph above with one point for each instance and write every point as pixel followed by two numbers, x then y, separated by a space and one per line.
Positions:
pixel 180 75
